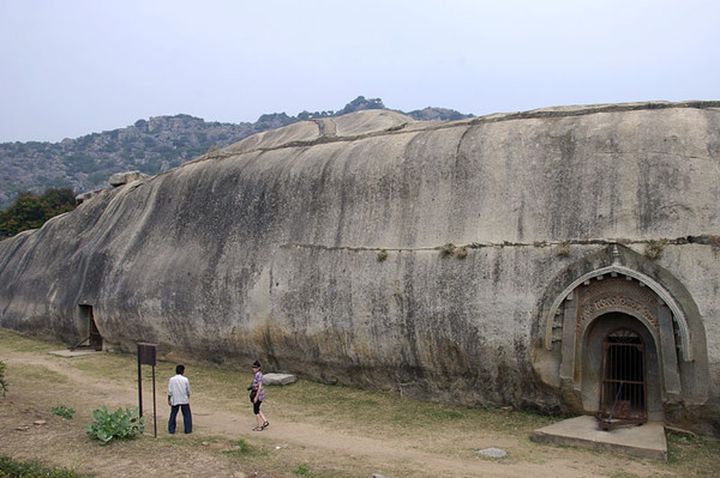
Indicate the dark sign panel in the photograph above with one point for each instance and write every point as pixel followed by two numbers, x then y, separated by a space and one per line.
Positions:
pixel 146 353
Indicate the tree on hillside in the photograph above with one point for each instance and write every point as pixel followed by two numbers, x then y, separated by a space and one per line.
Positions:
pixel 361 103
pixel 30 211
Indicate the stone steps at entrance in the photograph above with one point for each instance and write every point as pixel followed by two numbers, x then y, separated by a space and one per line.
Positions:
pixel 645 441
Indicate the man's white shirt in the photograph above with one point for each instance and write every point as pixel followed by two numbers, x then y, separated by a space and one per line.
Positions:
pixel 179 390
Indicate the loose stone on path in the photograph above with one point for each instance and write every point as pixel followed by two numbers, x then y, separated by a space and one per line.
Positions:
pixel 492 452
pixel 279 379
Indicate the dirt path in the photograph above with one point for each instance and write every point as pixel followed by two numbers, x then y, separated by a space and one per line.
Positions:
pixel 325 446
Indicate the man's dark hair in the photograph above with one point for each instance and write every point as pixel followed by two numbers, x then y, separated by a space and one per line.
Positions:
pixel 180 369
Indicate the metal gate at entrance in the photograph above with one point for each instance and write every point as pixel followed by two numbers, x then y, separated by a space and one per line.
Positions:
pixel 623 390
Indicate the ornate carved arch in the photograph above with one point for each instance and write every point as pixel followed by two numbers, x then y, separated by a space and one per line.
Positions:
pixel 612 282
pixel 615 270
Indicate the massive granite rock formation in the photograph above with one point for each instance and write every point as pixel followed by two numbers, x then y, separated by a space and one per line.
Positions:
pixel 482 261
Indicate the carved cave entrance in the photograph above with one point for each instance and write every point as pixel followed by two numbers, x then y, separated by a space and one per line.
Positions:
pixel 618 369
pixel 617 343
pixel 95 340
pixel 617 348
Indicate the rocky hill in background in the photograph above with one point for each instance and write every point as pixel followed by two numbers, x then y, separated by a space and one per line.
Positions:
pixel 150 146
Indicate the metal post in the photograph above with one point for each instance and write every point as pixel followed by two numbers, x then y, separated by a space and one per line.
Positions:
pixel 147 355
pixel 140 386
pixel 154 404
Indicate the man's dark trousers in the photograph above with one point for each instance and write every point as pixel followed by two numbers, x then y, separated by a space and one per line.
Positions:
pixel 187 418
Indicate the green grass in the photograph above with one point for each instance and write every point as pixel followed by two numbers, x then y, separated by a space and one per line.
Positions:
pixel 63 411
pixel 16 342
pixel 11 468
pixel 373 409
pixel 35 373
pixel 692 455
pixel 335 406
pixel 241 447
pixel 304 471
pixel 116 367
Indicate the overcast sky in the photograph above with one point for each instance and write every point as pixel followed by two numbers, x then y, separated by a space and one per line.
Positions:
pixel 72 67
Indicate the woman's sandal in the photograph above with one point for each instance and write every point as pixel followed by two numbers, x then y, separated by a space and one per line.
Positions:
pixel 258 429
pixel 265 425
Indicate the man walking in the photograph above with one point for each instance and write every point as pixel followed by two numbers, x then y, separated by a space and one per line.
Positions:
pixel 179 397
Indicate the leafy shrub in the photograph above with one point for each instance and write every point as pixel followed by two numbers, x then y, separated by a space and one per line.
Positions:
pixel 13 468
pixel 63 411
pixel 119 425
pixel 3 383
pixel 382 255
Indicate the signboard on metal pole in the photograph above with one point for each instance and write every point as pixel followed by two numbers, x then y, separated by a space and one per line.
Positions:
pixel 147 355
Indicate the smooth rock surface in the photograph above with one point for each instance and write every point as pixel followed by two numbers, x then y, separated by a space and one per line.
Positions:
pixel 120 179
pixel 268 249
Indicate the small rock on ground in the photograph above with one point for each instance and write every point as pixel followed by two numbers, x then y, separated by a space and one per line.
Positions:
pixel 493 452
pixel 279 378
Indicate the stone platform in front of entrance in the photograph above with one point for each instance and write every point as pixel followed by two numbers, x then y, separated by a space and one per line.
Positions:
pixel 645 441
pixel 74 353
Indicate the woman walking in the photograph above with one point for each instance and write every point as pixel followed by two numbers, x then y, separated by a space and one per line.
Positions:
pixel 257 395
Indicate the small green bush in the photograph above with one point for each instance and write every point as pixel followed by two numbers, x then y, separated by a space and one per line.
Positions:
pixel 3 383
pixel 13 468
pixel 118 425
pixel 382 255
pixel 304 470
pixel 63 411
pixel 240 447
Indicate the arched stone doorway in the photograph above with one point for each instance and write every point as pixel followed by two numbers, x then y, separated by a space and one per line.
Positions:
pixel 614 290
pixel 620 374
